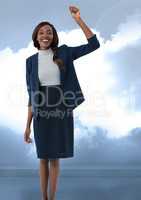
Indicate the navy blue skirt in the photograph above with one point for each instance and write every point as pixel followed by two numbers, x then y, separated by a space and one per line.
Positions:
pixel 54 128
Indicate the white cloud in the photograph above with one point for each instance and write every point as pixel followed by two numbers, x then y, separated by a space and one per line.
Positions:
pixel 117 115
pixel 128 34
pixel 14 96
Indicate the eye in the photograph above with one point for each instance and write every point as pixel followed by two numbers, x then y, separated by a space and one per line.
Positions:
pixel 41 33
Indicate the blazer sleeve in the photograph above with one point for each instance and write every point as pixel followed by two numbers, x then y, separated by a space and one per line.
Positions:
pixel 81 50
pixel 28 80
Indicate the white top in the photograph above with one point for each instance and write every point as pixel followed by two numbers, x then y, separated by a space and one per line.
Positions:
pixel 48 71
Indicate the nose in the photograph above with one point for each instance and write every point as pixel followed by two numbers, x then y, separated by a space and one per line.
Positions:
pixel 46 36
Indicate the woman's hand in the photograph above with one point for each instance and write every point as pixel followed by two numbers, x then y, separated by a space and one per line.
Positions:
pixel 74 12
pixel 27 138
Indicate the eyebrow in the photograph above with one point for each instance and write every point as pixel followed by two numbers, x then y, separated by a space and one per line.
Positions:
pixel 47 30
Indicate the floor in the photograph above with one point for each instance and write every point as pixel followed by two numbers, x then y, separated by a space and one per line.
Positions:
pixel 97 185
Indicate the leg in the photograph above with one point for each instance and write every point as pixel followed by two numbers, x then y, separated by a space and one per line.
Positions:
pixel 53 176
pixel 44 175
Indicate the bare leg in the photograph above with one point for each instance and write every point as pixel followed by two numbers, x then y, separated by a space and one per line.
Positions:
pixel 44 175
pixel 53 176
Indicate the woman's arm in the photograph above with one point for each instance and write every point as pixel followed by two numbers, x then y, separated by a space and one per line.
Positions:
pixel 29 117
pixel 76 15
pixel 93 43
pixel 30 114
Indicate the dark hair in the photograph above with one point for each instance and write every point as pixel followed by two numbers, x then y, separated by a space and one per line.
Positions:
pixel 54 44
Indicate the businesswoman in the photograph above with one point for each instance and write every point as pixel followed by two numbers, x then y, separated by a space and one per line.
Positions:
pixel 49 75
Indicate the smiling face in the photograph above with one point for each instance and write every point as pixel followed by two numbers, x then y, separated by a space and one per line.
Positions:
pixel 45 37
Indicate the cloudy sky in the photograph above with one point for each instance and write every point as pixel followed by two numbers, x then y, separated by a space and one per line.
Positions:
pixel 110 79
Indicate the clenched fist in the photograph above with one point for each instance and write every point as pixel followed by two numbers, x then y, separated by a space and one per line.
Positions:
pixel 74 12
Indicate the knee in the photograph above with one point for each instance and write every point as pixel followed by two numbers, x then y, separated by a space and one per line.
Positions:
pixel 54 162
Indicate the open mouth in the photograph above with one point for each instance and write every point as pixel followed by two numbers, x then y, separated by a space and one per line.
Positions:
pixel 45 40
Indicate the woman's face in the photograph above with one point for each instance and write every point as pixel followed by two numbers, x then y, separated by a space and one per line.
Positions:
pixel 45 36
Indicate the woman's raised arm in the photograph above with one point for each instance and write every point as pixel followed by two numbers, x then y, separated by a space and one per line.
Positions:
pixel 93 42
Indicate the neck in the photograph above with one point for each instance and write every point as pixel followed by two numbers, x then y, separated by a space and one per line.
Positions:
pixel 45 48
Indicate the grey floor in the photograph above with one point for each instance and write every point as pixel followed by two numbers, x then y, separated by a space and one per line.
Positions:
pixel 90 186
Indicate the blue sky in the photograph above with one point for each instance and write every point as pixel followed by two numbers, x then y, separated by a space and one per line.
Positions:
pixel 18 18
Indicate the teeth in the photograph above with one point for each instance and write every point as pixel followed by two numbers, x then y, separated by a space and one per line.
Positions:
pixel 45 40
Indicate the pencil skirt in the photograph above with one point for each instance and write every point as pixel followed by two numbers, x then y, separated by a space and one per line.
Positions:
pixel 54 127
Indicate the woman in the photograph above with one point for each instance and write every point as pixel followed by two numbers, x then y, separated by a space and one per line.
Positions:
pixel 53 131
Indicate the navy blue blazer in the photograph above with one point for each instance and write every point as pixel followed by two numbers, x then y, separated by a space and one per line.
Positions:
pixel 73 95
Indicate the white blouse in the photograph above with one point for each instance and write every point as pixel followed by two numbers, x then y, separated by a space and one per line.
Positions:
pixel 48 71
